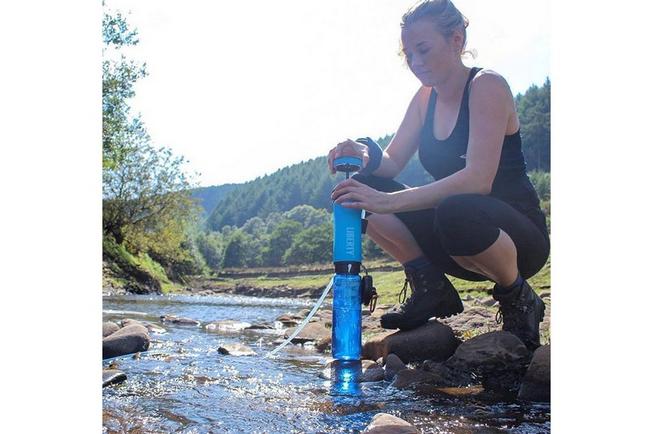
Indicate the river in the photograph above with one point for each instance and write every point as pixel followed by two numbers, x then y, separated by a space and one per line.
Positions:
pixel 184 385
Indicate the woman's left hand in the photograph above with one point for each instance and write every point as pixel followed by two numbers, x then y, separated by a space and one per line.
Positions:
pixel 354 194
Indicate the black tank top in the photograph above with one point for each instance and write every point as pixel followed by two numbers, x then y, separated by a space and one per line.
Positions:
pixel 442 158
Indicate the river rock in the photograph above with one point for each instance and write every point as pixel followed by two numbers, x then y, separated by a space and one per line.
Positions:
pixel 260 326
pixel 433 375
pixel 129 321
pixel 383 423
pixel 371 372
pixel 323 344
pixel 314 331
pixel 536 383
pixel 289 319
pixel 236 350
pixel 393 364
pixel 446 376
pixel 228 326
pixel 498 358
pixel 109 328
pixel 112 376
pixel 409 377
pixel 432 340
pixel 179 321
pixel 151 328
pixel 129 339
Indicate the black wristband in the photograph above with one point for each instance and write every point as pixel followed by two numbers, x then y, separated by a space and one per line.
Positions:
pixel 375 155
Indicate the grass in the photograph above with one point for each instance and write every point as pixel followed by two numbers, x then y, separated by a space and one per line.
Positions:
pixel 142 261
pixel 387 283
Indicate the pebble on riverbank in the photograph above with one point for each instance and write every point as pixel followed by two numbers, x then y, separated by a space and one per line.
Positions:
pixel 384 423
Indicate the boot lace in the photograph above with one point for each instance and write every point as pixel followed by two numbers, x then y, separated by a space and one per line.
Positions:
pixel 402 296
pixel 410 281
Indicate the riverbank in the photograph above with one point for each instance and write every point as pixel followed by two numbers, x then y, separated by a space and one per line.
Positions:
pixel 308 282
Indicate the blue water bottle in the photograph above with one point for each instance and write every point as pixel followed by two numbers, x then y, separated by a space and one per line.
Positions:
pixel 347 257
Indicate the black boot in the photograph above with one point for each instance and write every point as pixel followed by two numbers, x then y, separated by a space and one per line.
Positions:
pixel 432 296
pixel 521 311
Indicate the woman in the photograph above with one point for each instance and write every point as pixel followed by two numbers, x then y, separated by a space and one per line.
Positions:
pixel 480 219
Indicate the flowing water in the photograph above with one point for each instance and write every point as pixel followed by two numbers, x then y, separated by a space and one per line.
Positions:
pixel 183 384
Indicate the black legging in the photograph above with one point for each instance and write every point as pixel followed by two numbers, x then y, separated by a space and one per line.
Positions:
pixel 467 224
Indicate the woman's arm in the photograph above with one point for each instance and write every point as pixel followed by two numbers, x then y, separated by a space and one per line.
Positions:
pixel 406 140
pixel 490 106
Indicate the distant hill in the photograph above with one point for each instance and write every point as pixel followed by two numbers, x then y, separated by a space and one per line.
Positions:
pixel 308 182
pixel 209 197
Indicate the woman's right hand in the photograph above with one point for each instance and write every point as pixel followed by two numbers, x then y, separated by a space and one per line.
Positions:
pixel 348 148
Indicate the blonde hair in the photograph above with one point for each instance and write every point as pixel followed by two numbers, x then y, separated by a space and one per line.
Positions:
pixel 443 14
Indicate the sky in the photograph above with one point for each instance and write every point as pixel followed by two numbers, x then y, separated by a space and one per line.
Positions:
pixel 242 89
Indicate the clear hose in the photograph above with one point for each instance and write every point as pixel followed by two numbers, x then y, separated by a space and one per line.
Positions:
pixel 305 321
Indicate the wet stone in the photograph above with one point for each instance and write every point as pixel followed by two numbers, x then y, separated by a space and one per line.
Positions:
pixel 289 319
pixel 112 376
pixel 371 372
pixel 383 423
pixel 228 326
pixel 536 383
pixel 129 339
pixel 151 328
pixel 409 377
pixel 446 376
pixel 323 344
pixel 260 326
pixel 178 320
pixel 236 350
pixel 500 359
pixel 311 332
pixel 109 328
pixel 393 364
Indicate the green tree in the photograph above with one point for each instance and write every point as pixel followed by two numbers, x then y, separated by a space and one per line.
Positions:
pixel 144 193
pixel 242 251
pixel 541 182
pixel 307 215
pixel 534 115
pixel 279 241
pixel 211 247
pixel 121 131
pixel 311 245
pixel 235 251
pixel 255 227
